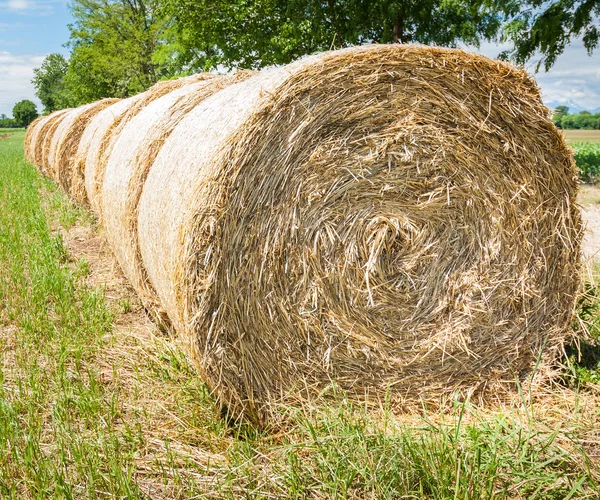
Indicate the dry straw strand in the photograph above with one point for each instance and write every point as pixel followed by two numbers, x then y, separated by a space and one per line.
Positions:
pixel 389 220
pixel 136 104
pixel 132 155
pixel 55 139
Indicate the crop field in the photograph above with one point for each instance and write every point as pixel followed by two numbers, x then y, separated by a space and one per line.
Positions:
pixel 574 136
pixel 587 158
pixel 586 147
pixel 96 402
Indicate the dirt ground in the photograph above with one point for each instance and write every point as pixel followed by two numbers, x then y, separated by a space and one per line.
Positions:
pixel 582 135
pixel 589 199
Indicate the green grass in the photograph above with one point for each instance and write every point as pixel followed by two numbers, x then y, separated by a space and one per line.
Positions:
pixel 585 361
pixel 55 437
pixel 17 133
pixel 95 403
pixel 344 453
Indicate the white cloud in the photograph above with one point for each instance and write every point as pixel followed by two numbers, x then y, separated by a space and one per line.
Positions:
pixel 16 72
pixel 575 77
pixel 31 7
pixel 19 4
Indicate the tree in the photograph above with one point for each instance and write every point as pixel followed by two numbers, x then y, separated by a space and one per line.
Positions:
pixel 256 33
pixel 547 27
pixel 49 83
pixel 25 112
pixel 115 47
pixel 113 44
pixel 122 47
pixel 559 113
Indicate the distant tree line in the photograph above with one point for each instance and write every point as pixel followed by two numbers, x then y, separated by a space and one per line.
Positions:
pixel 6 122
pixel 583 120
pixel 24 112
pixel 121 47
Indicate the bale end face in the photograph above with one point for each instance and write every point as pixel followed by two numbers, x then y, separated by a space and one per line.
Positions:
pixel 395 219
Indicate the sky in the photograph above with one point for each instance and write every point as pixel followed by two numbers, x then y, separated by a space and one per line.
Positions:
pixel 575 76
pixel 32 29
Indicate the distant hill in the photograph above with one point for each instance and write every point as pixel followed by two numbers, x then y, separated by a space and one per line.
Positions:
pixel 573 106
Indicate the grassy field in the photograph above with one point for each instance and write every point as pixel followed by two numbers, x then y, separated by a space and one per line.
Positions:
pixel 96 403
pixel 574 136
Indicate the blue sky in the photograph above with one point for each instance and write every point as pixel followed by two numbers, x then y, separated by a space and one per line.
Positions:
pixel 31 29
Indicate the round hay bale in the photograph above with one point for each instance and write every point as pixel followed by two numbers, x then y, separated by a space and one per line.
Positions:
pixel 393 219
pixel 132 154
pixel 44 135
pixel 92 148
pixel 31 137
pixel 135 104
pixel 54 138
pixel 91 132
pixel 66 140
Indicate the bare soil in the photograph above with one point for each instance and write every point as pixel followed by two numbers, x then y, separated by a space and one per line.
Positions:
pixel 589 199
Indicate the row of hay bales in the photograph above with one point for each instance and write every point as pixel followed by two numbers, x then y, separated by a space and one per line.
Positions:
pixel 388 220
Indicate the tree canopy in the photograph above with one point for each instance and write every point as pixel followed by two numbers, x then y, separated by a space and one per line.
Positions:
pixel 6 122
pixel 112 44
pixel 256 33
pixel 25 112
pixel 545 28
pixel 49 83
pixel 121 47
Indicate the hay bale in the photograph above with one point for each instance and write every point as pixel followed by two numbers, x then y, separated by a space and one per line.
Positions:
pixel 92 148
pixel 101 149
pixel 54 138
pixel 66 141
pixel 134 151
pixel 44 135
pixel 91 137
pixel 389 218
pixel 31 137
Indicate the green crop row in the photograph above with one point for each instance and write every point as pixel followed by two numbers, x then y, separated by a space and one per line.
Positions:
pixel 587 159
